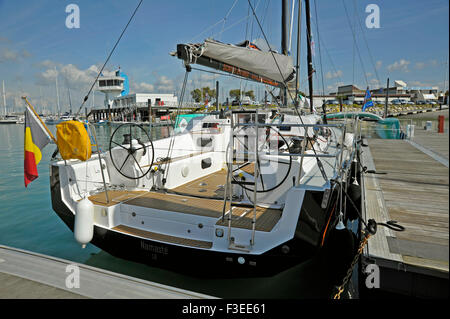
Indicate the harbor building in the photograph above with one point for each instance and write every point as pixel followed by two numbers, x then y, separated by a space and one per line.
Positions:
pixel 399 91
pixel 120 105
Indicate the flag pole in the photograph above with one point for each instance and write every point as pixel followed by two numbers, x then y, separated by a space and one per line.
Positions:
pixel 40 120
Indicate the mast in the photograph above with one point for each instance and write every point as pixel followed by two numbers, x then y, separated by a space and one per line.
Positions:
pixel 310 68
pixel 4 96
pixel 57 91
pixel 291 26
pixel 70 101
pixel 284 27
pixel 284 38
pixel 387 99
pixel 297 66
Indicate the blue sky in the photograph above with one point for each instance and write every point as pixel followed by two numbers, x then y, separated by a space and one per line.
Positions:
pixel 410 45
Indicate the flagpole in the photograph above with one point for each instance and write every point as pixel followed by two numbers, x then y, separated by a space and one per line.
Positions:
pixel 387 99
pixel 40 120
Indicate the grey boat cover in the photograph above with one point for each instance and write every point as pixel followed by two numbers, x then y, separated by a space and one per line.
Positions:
pixel 250 59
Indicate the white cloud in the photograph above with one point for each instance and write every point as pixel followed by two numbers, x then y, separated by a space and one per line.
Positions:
pixel 401 65
pixel 374 82
pixel 332 75
pixel 378 64
pixel 143 87
pixel 164 84
pixel 420 65
pixel 8 55
pixel 69 73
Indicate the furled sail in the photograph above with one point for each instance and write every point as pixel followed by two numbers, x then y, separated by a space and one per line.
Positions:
pixel 245 60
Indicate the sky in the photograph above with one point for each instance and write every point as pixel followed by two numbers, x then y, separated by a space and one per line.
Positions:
pixel 411 44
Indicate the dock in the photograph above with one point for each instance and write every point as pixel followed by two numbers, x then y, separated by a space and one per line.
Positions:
pixel 408 181
pixel 29 275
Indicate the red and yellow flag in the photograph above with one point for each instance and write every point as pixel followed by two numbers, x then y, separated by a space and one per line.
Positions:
pixel 36 138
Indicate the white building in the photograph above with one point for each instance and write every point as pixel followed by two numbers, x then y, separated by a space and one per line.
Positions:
pixel 120 104
pixel 145 99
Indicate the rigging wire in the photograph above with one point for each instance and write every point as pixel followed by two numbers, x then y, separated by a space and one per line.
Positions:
pixel 367 44
pixel 109 56
pixel 319 162
pixel 322 43
pixel 320 54
pixel 237 22
pixel 172 140
pixel 226 16
pixel 258 34
pixel 355 43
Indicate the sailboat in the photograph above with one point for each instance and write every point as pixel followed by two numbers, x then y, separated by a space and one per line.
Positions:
pixel 56 119
pixel 244 193
pixel 6 119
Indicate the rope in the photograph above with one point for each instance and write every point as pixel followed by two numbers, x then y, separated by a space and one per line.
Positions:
pixel 355 43
pixel 319 162
pixel 320 54
pixel 172 140
pixel 109 56
pixel 365 41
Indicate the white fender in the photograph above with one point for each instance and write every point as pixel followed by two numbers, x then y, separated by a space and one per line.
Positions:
pixel 84 222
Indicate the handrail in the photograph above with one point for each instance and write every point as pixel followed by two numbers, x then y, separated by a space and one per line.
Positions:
pixel 290 124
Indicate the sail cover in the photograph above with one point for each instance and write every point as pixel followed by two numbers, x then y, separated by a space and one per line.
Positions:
pixel 248 58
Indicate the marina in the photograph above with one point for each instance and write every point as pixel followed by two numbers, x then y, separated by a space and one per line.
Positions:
pixel 408 182
pixel 222 166
pixel 27 275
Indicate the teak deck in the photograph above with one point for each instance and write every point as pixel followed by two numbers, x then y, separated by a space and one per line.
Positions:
pixel 164 238
pixel 242 217
pixel 212 186
pixel 187 201
pixel 412 188
pixel 180 204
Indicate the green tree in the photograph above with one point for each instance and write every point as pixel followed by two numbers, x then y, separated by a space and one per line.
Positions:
pixel 250 94
pixel 196 95
pixel 199 95
pixel 207 91
pixel 235 94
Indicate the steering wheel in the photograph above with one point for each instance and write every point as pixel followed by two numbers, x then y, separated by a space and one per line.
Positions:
pixel 266 146
pixel 130 132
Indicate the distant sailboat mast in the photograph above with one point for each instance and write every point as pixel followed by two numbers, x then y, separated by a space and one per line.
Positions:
pixel 4 97
pixel 57 92
pixel 70 101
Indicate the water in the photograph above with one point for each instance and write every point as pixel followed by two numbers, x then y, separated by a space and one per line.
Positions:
pixel 27 221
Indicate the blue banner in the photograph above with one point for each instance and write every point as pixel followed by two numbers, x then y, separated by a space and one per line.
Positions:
pixel 367 100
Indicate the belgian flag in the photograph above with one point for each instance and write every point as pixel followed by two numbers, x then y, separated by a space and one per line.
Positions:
pixel 36 138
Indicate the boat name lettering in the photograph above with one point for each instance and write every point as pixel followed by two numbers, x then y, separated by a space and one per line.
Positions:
pixel 154 249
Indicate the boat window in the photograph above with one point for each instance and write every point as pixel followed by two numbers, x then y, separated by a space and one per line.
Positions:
pixel 210 125
pixel 102 83
pixel 109 82
pixel 284 128
pixel 204 141
pixel 206 162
